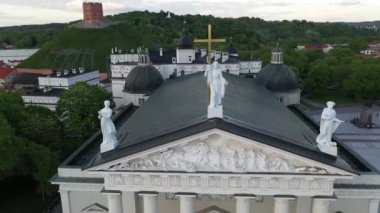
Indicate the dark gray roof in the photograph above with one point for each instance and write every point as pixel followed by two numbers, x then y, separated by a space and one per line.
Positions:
pixel 185 41
pixel 231 48
pixel 27 78
pixel 179 109
pixel 362 143
pixel 143 79
pixel 278 78
pixel 51 93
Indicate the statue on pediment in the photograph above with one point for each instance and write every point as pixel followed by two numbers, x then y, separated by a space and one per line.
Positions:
pixel 329 123
pixel 108 128
pixel 216 83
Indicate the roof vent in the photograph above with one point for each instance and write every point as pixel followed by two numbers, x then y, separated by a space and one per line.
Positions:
pixel 74 71
pixel 65 72
pixel 58 73
pixel 81 69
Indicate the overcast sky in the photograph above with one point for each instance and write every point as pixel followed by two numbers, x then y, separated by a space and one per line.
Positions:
pixel 18 12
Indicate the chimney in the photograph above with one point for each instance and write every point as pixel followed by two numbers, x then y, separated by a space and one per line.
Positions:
pixel 58 73
pixel 111 50
pixel 203 52
pixel 132 50
pixel 81 69
pixel 74 71
pixel 65 72
pixel 161 53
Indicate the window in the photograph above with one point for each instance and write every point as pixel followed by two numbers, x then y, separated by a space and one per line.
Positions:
pixel 141 101
pixel 190 58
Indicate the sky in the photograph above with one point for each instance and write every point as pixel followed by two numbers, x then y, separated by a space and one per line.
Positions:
pixel 20 12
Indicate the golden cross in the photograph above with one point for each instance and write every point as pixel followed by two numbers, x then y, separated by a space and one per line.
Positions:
pixel 209 40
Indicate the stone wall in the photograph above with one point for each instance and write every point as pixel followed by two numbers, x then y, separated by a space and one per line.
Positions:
pixel 92 12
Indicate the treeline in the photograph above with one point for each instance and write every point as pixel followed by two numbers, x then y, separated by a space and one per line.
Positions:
pixel 29 36
pixel 34 140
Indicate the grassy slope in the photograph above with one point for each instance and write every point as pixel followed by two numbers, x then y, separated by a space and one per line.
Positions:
pixel 100 40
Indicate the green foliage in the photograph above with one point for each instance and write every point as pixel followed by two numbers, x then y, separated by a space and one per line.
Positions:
pixel 364 83
pixel 318 78
pixel 10 147
pixel 11 107
pixel 29 36
pixel 78 107
pixel 44 163
pixel 21 128
pixel 154 30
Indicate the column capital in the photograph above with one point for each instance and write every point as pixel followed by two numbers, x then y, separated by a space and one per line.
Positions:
pixel 148 194
pixel 184 194
pixel 246 196
pixel 110 192
pixel 327 198
pixel 284 197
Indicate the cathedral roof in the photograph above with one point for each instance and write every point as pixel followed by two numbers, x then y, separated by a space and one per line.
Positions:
pixel 178 109
pixel 143 79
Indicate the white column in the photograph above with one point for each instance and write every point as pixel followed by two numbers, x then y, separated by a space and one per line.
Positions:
pixel 150 201
pixel 114 202
pixel 303 205
pixel 243 203
pixel 321 204
pixel 187 203
pixel 374 206
pixel 281 204
pixel 129 201
pixel 65 201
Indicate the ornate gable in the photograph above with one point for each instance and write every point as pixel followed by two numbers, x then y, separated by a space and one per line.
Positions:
pixel 96 207
pixel 218 151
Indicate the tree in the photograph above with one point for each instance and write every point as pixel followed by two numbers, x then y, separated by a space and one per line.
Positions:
pixel 41 126
pixel 364 82
pixel 318 78
pixel 11 107
pixel 10 147
pixel 78 109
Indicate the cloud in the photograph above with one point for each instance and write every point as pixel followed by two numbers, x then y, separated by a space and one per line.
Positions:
pixel 348 2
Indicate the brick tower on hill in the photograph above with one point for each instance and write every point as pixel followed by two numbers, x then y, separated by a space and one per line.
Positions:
pixel 92 12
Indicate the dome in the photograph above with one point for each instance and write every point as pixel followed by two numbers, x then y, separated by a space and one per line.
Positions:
pixel 143 79
pixel 185 41
pixel 278 78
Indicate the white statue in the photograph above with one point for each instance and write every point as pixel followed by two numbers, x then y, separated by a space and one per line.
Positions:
pixel 216 83
pixel 108 128
pixel 329 123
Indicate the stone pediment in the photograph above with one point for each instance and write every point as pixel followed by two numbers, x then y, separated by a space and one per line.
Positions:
pixel 96 207
pixel 219 151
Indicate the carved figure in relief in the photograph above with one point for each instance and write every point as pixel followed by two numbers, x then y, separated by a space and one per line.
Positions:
pixel 200 154
pixel 214 158
pixel 261 161
pixel 229 158
pixel 241 162
pixel 251 160
pixel 278 164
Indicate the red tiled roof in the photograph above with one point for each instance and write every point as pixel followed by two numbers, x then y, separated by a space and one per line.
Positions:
pixel 5 71
pixel 316 46
pixel 103 76
pixel 36 71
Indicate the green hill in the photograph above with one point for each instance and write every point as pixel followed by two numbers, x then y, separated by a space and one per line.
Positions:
pixel 155 30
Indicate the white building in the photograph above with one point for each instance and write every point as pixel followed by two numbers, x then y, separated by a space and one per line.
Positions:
pixel 185 60
pixel 50 87
pixel 66 78
pixel 260 156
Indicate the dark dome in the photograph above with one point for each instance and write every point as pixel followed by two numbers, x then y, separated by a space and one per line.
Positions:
pixel 185 41
pixel 278 78
pixel 143 79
